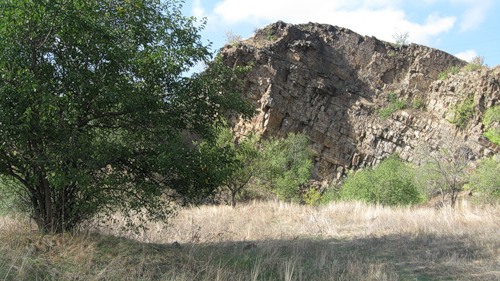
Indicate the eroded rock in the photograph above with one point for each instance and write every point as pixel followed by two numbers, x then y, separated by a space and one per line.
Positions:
pixel 331 84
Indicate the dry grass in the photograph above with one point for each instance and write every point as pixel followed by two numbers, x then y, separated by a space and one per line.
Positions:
pixel 268 241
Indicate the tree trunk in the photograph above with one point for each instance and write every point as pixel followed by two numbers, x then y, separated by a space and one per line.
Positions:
pixel 454 195
pixel 233 198
pixel 50 209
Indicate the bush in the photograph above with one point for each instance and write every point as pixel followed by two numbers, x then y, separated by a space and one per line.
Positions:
pixel 491 120
pixel 233 39
pixel 312 197
pixel 401 39
pixel 475 64
pixel 390 183
pixel 486 179
pixel 286 165
pixel 463 112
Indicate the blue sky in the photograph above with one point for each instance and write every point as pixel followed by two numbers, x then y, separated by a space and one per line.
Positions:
pixel 465 28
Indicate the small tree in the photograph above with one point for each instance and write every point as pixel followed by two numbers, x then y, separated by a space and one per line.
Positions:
pixel 244 162
pixel 233 39
pixel 401 38
pixel 286 165
pixel 446 171
pixel 281 165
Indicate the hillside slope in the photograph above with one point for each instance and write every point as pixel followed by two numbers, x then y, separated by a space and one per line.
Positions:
pixel 357 98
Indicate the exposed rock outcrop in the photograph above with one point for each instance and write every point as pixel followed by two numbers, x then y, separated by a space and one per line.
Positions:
pixel 331 84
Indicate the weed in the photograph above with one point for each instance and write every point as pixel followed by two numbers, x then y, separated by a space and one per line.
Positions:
pixel 401 38
pixel 386 112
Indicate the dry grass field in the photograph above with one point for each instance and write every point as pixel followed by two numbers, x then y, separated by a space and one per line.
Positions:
pixel 267 241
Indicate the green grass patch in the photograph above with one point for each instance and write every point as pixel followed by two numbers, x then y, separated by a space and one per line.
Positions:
pixel 491 115
pixel 493 135
pixel 395 104
pixel 443 75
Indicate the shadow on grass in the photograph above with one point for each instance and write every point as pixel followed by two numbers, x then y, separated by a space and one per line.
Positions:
pixel 393 257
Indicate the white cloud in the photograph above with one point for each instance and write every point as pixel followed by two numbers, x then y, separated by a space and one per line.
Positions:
pixel 474 14
pixel 380 18
pixel 198 10
pixel 473 17
pixel 467 55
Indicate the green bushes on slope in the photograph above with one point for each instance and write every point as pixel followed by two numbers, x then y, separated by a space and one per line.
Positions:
pixel 390 183
pixel 490 118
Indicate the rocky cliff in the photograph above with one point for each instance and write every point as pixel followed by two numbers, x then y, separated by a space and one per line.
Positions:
pixel 358 99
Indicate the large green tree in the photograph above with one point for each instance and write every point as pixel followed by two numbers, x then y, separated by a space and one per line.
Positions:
pixel 96 114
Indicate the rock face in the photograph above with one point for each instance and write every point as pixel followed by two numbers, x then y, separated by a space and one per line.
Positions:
pixel 331 84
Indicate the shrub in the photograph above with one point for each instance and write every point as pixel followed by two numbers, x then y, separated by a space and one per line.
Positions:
pixel 475 64
pixel 491 120
pixel 444 172
pixel 491 115
pixel 286 165
pixel 486 179
pixel 242 163
pixel 312 197
pixel 401 39
pixel 233 39
pixel 331 194
pixel 390 183
pixel 463 112
pixel 280 165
